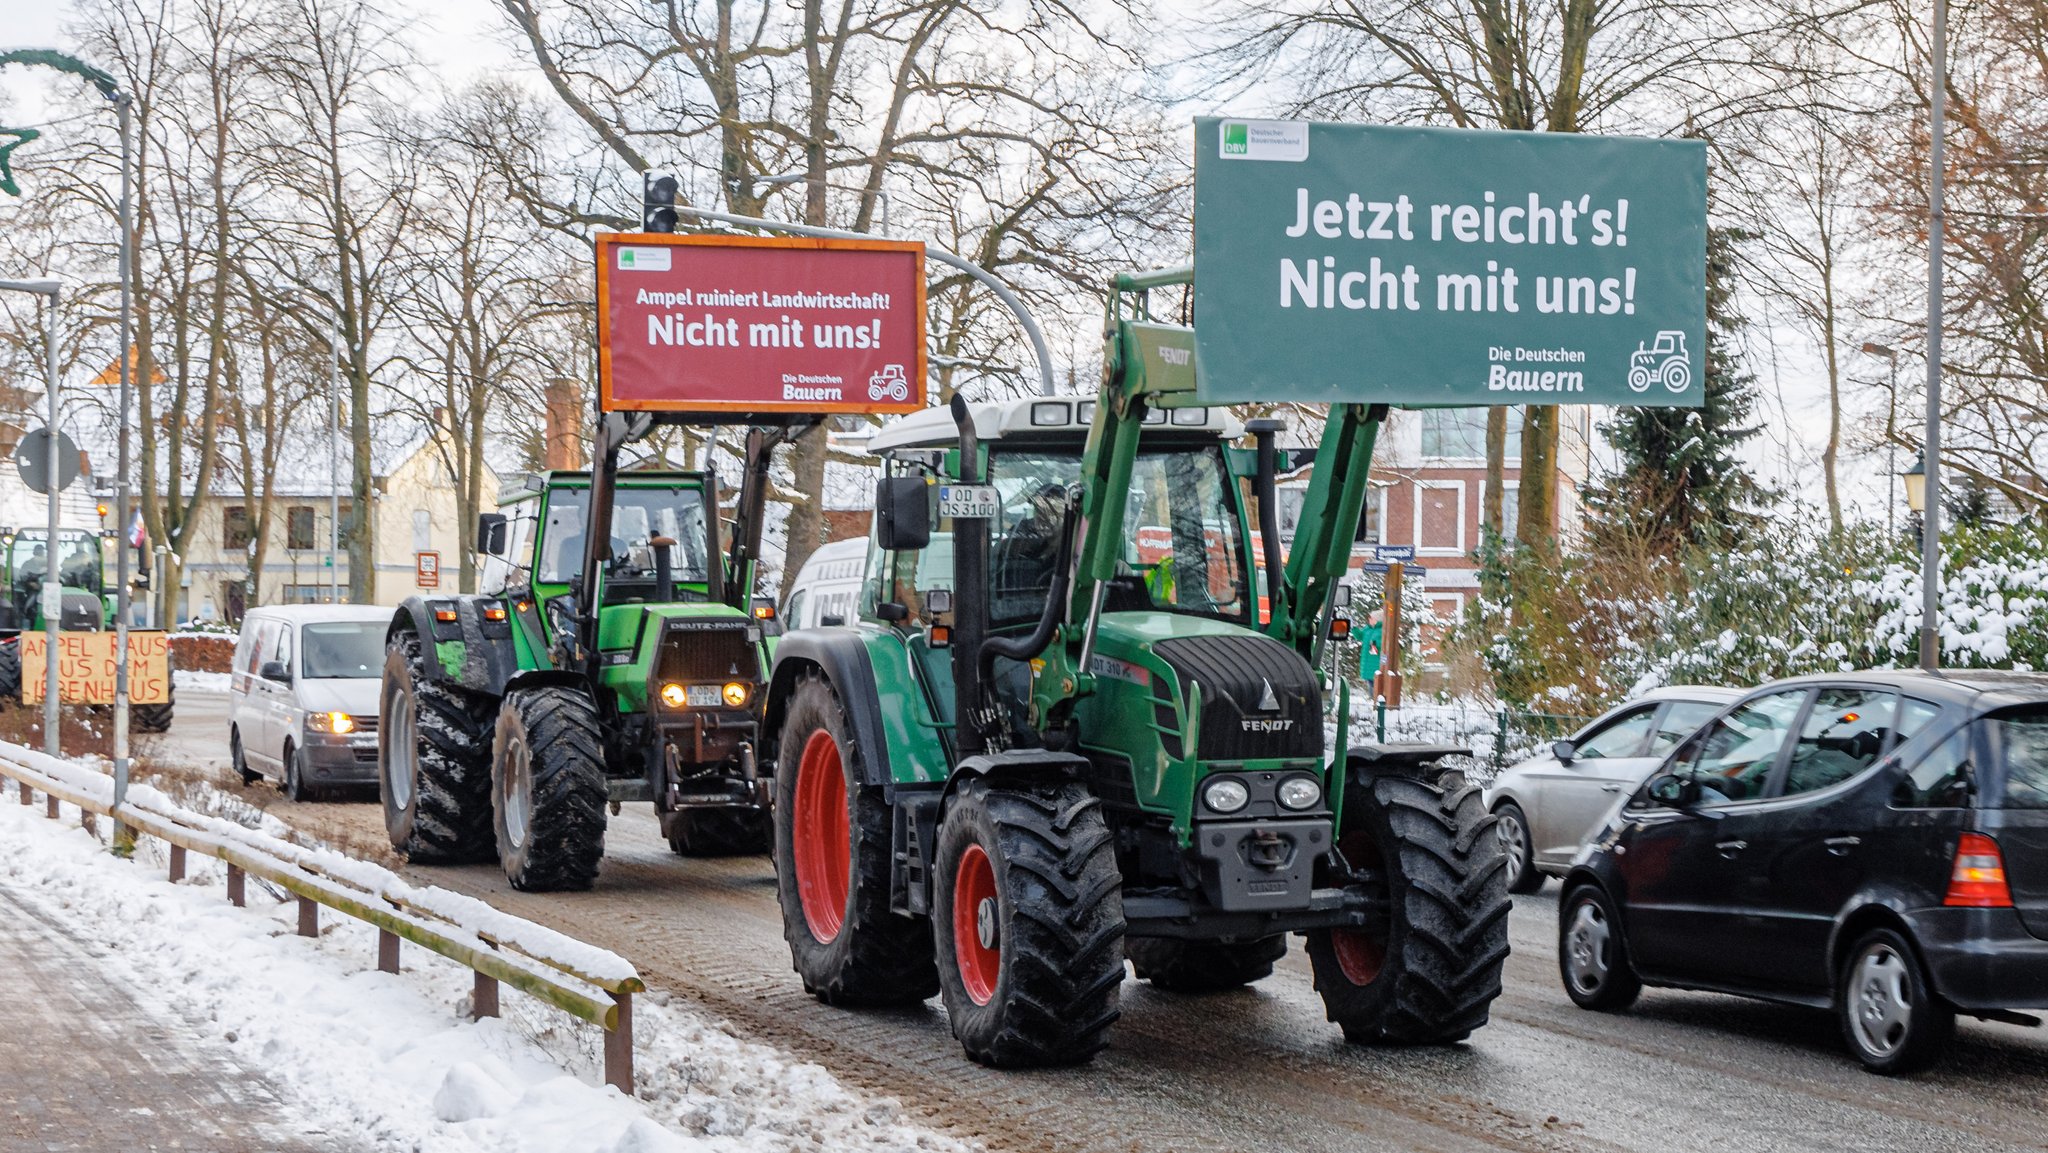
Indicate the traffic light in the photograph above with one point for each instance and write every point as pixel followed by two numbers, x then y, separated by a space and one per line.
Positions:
pixel 658 202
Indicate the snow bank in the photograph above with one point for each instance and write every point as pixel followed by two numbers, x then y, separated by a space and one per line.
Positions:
pixel 391 1062
pixel 194 681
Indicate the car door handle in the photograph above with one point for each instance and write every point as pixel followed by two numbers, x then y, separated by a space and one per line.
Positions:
pixel 1731 848
pixel 1610 788
pixel 1840 846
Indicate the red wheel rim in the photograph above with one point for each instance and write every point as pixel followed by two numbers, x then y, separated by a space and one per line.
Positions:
pixel 822 843
pixel 974 899
pixel 1359 957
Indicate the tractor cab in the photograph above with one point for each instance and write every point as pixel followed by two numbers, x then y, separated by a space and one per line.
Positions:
pixel 25 559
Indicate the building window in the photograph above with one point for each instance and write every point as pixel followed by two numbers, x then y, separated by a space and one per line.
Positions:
pixel 1440 517
pixel 298 526
pixel 422 530
pixel 306 594
pixel 1460 433
pixel 235 533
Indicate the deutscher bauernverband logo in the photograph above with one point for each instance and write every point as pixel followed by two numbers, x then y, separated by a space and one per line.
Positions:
pixel 1661 362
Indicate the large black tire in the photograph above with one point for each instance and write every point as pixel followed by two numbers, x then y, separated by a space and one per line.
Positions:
pixel 1428 975
pixel 1511 825
pixel 1029 924
pixel 1592 952
pixel 10 668
pixel 1890 1015
pixel 1203 966
pixel 733 832
pixel 433 762
pixel 548 793
pixel 152 718
pixel 240 759
pixel 832 861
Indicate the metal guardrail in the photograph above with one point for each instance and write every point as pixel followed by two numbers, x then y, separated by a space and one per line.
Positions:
pixel 602 1000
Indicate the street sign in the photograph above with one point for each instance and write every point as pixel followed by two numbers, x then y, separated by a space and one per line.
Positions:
pixel 717 323
pixel 1374 566
pixel 1394 551
pixel 1436 266
pixel 426 569
pixel 32 460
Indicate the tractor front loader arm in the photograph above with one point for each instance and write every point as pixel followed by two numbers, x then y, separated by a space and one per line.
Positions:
pixel 1330 513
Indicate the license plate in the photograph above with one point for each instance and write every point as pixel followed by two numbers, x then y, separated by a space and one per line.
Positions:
pixel 704 696
pixel 969 500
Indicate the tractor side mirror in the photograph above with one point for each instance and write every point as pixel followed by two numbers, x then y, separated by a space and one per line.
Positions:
pixel 1565 752
pixel 491 531
pixel 903 513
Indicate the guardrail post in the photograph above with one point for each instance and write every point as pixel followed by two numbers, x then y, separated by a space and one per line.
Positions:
pixel 1500 739
pixel 483 1000
pixel 50 809
pixel 236 896
pixel 177 863
pixel 618 1047
pixel 309 917
pixel 28 795
pixel 1379 723
pixel 387 951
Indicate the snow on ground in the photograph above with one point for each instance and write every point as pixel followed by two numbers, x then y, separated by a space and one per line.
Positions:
pixel 194 681
pixel 383 1062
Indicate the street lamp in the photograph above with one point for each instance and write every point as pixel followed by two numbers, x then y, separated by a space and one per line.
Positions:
pixel 1930 534
pixel 1891 442
pixel 1915 479
pixel 53 588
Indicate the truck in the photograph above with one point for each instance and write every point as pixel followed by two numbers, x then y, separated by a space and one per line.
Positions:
pixel 1062 734
pixel 87 604
pixel 614 653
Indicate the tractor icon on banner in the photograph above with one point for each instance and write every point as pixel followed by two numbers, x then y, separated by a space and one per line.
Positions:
pixel 889 384
pixel 1664 361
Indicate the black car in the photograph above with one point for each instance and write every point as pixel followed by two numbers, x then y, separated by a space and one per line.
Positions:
pixel 1871 843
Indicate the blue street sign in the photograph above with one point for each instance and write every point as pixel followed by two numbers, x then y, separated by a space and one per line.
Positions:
pixel 1401 552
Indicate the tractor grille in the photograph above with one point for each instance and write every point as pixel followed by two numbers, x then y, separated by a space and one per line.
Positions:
pixel 707 651
pixel 1235 673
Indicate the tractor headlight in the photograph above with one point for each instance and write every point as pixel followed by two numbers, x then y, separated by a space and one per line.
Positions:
pixel 1225 795
pixel 736 693
pixel 1300 793
pixel 674 695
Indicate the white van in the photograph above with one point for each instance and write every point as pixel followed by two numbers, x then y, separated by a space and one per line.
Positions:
pixel 302 705
pixel 826 590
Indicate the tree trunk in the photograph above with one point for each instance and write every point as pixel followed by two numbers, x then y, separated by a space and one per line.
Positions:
pixel 1491 516
pixel 1536 500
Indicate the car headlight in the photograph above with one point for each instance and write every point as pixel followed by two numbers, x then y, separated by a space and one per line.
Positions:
pixel 736 693
pixel 674 695
pixel 1226 795
pixel 1300 793
pixel 330 722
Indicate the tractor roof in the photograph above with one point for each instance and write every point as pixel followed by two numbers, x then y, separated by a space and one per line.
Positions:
pixel 526 486
pixel 1049 417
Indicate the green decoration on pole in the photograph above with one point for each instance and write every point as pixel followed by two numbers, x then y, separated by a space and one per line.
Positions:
pixel 21 136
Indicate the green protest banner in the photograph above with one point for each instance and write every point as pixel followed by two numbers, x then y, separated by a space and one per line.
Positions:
pixel 1431 266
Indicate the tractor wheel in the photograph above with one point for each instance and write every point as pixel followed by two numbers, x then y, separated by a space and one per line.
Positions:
pixel 832 861
pixel 433 762
pixel 549 793
pixel 1203 966
pixel 1428 973
pixel 152 718
pixel 1029 924
pixel 733 832
pixel 10 668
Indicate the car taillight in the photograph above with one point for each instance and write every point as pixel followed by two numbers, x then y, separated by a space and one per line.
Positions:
pixel 1978 879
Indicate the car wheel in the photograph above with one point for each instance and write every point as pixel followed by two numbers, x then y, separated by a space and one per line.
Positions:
pixel 1890 1016
pixel 1513 830
pixel 239 759
pixel 294 784
pixel 1592 957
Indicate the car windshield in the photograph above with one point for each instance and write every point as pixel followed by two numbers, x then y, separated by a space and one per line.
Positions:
pixel 333 649
pixel 2019 738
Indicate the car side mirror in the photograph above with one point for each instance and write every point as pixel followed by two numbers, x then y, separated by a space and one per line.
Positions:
pixel 1565 751
pixel 275 671
pixel 903 513
pixel 491 532
pixel 1675 792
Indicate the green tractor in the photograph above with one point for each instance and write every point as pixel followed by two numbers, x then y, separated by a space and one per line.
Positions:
pixel 87 603
pixel 613 655
pixel 1063 734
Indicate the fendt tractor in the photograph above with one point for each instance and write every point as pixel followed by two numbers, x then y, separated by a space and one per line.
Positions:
pixel 613 655
pixel 87 604
pixel 1062 734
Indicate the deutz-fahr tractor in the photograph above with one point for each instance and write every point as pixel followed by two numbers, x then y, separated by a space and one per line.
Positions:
pixel 613 655
pixel 1063 734
pixel 87 603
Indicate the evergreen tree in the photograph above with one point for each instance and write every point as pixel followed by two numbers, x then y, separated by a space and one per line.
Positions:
pixel 1680 482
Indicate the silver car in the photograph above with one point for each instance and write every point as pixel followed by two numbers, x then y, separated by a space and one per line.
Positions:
pixel 1549 804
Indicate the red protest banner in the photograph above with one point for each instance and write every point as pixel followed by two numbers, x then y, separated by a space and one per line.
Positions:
pixel 694 323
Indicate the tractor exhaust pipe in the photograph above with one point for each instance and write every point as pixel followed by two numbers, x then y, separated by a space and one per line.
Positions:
pixel 970 603
pixel 1264 486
